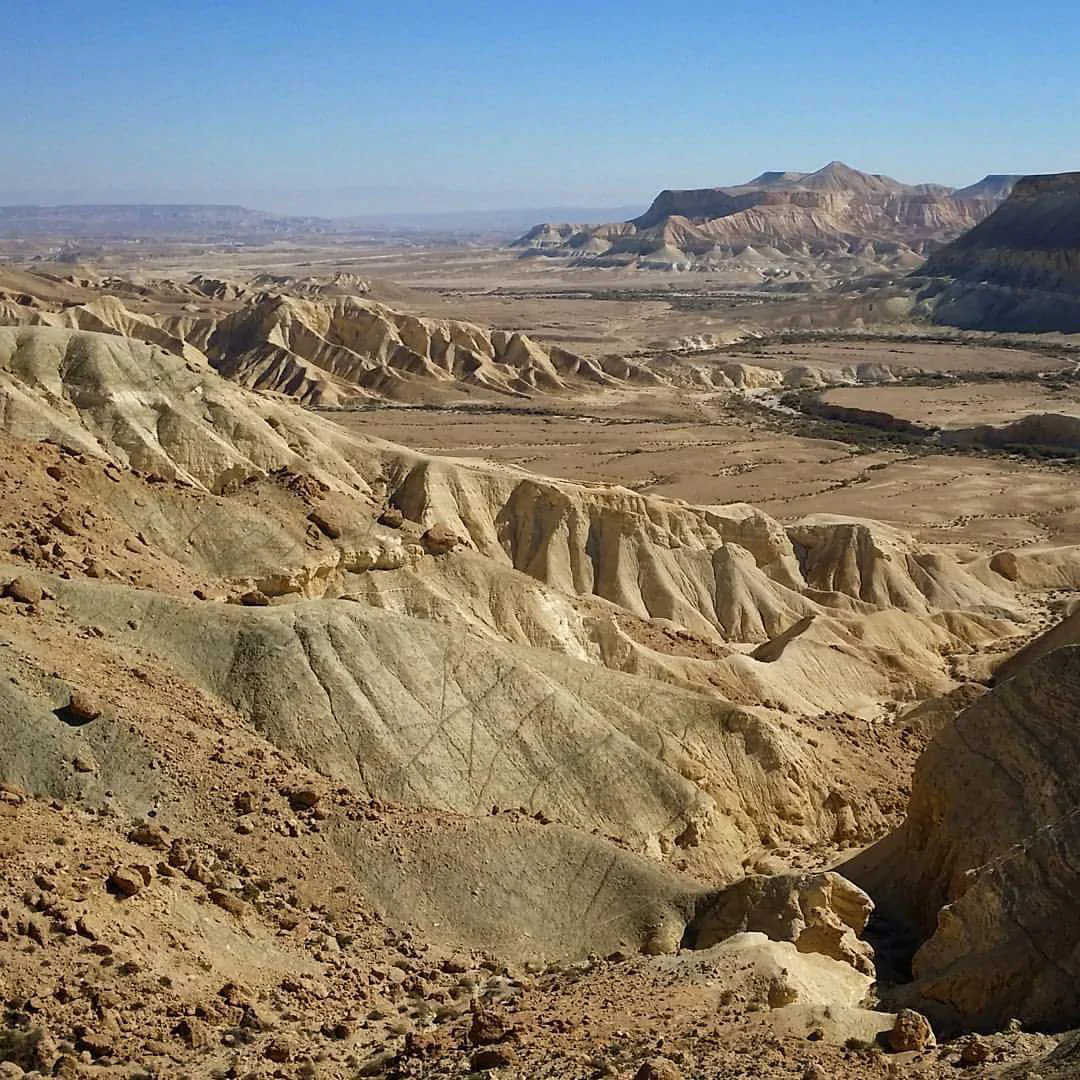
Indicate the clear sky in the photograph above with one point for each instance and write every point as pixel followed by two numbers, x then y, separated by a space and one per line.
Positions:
pixel 352 106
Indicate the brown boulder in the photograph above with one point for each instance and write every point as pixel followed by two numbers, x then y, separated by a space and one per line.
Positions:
pixel 228 902
pixel 126 881
pixel 487 1027
pixel 910 1031
pixel 83 706
pixel 304 798
pixel 441 539
pixel 25 590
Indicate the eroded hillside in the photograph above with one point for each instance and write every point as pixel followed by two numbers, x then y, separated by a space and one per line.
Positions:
pixel 327 755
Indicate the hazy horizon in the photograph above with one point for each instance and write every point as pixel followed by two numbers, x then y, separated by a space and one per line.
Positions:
pixel 422 109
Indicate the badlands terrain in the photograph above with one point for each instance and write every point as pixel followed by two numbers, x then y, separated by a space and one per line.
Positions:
pixel 421 660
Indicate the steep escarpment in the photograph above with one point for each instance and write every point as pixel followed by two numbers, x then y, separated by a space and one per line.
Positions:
pixel 985 862
pixel 1019 269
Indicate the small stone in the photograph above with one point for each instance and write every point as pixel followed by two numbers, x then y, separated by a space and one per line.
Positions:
pixel 457 964
pixel 392 518
pixel 194 1032
pixel 911 1031
pixel 66 523
pixel 814 1072
pixel 340 1029
pixel 148 835
pixel 126 880
pixel 86 926
pixel 83 762
pixel 255 598
pixel 98 1043
pixel 304 798
pixel 279 1050
pixel 493 1057
pixel 658 1069
pixel 227 901
pixel 486 1027
pixel 973 1051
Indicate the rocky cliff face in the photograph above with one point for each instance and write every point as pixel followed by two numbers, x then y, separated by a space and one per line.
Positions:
pixel 986 861
pixel 1019 269
pixel 834 210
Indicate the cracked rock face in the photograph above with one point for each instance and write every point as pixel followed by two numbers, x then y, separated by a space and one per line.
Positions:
pixel 989 854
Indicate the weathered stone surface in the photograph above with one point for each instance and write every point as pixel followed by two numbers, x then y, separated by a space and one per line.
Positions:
pixel 986 861
pixel 821 913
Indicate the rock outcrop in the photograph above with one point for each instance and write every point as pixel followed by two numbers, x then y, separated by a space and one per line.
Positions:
pixel 1019 269
pixel 985 863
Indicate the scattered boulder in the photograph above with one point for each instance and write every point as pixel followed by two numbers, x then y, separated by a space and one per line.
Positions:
pixel 66 522
pixel 83 706
pixel 195 1033
pixel 392 518
pixel 228 902
pixel 126 881
pixel 441 539
pixel 25 590
pixel 148 835
pixel 279 1050
pixel 303 798
pixel 974 1051
pixel 910 1032
pixel 487 1027
pixel 327 522
pixel 83 762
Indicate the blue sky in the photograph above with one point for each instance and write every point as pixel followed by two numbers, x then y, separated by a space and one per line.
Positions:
pixel 350 107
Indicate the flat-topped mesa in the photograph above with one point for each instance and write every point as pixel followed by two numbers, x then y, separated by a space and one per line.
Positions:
pixel 1019 269
pixel 835 209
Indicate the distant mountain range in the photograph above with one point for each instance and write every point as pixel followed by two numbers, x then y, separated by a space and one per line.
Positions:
pixel 151 220
pixel 837 210
pixel 208 222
